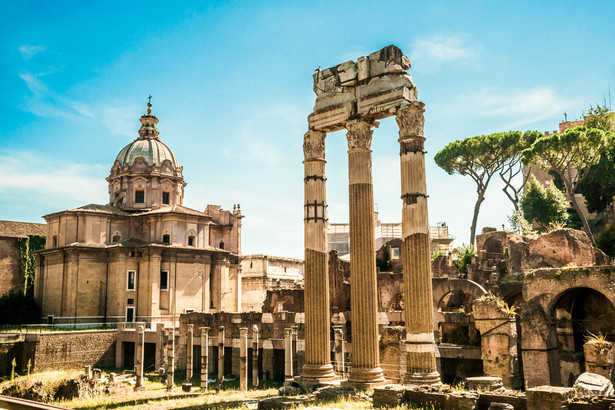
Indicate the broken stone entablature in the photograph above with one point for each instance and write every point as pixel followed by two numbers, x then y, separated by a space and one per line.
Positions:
pixel 372 87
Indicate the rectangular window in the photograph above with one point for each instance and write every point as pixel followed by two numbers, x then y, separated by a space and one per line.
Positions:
pixel 131 280
pixel 191 241
pixel 165 198
pixel 130 302
pixel 164 280
pixel 130 314
pixel 140 197
pixel 166 238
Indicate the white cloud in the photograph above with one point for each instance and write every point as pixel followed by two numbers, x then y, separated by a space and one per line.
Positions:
pixel 38 181
pixel 27 52
pixel 516 107
pixel 430 53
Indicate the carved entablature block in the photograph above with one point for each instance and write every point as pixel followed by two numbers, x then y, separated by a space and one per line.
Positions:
pixel 359 134
pixel 371 88
pixel 314 145
pixel 411 121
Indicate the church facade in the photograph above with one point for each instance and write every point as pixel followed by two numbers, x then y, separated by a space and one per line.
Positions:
pixel 144 256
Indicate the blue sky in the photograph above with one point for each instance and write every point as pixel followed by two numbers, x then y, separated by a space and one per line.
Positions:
pixel 232 88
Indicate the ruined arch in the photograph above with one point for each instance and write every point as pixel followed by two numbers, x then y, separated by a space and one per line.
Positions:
pixel 576 313
pixel 444 286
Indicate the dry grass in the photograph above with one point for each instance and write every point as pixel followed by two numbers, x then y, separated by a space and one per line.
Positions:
pixel 156 396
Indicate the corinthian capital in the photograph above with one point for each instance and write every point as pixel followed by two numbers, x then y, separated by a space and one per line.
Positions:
pixel 314 145
pixel 359 134
pixel 411 121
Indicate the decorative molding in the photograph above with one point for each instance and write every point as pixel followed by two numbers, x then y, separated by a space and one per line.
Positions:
pixel 314 145
pixel 411 121
pixel 359 134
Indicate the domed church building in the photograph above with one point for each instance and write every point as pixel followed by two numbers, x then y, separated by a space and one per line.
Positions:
pixel 144 256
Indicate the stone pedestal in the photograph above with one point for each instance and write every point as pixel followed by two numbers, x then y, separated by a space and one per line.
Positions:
pixel 171 359
pixel 288 353
pixel 243 359
pixel 338 348
pixel 139 357
pixel 418 312
pixel 365 370
pixel 204 357
pixel 599 357
pixel 220 355
pixel 317 367
pixel 189 349
pixel 254 356
pixel 498 342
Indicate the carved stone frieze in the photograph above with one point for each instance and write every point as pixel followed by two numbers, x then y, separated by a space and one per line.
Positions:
pixel 314 145
pixel 359 134
pixel 411 121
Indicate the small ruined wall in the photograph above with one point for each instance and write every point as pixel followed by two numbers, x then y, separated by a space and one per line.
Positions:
pixel 9 265
pixel 71 350
pixel 10 348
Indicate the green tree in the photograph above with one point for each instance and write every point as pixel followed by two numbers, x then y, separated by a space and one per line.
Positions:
pixel 544 205
pixel 464 258
pixel 598 188
pixel 571 156
pixel 606 241
pixel 513 143
pixel 479 158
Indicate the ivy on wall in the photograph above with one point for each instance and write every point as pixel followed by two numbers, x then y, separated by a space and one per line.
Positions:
pixel 26 260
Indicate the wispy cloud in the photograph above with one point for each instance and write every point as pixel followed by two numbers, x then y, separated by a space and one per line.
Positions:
pixel 263 135
pixel 47 185
pixel 27 51
pixel 430 53
pixel 517 107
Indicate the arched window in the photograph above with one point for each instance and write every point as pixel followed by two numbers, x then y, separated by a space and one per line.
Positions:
pixel 117 237
pixel 191 240
pixel 221 244
pixel 55 241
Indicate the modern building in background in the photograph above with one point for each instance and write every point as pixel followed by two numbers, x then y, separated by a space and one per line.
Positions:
pixel 338 236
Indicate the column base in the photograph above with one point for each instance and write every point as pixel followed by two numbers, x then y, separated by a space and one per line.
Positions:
pixel 317 373
pixel 366 378
pixel 423 379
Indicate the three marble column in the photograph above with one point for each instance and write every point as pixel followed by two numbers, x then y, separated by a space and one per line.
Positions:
pixel 365 370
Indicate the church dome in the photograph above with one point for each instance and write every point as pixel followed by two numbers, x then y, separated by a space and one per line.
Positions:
pixel 145 174
pixel 154 151
pixel 147 146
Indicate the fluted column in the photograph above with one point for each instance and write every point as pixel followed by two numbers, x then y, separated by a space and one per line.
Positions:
pixel 365 370
pixel 418 311
pixel 317 365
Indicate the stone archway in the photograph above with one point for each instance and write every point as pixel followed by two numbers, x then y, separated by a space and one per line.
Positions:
pixel 576 314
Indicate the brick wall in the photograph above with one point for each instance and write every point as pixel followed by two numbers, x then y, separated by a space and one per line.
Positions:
pixel 71 350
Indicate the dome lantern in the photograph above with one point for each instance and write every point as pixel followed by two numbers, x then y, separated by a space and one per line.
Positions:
pixel 146 173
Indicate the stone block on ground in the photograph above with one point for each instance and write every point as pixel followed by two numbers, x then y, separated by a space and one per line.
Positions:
pixel 187 387
pixel 484 383
pixel 592 383
pixel 548 397
pixel 388 396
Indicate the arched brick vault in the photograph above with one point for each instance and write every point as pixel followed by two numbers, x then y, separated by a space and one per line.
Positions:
pixel 548 285
pixel 444 286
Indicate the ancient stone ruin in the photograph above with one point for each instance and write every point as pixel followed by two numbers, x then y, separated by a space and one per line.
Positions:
pixel 353 96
